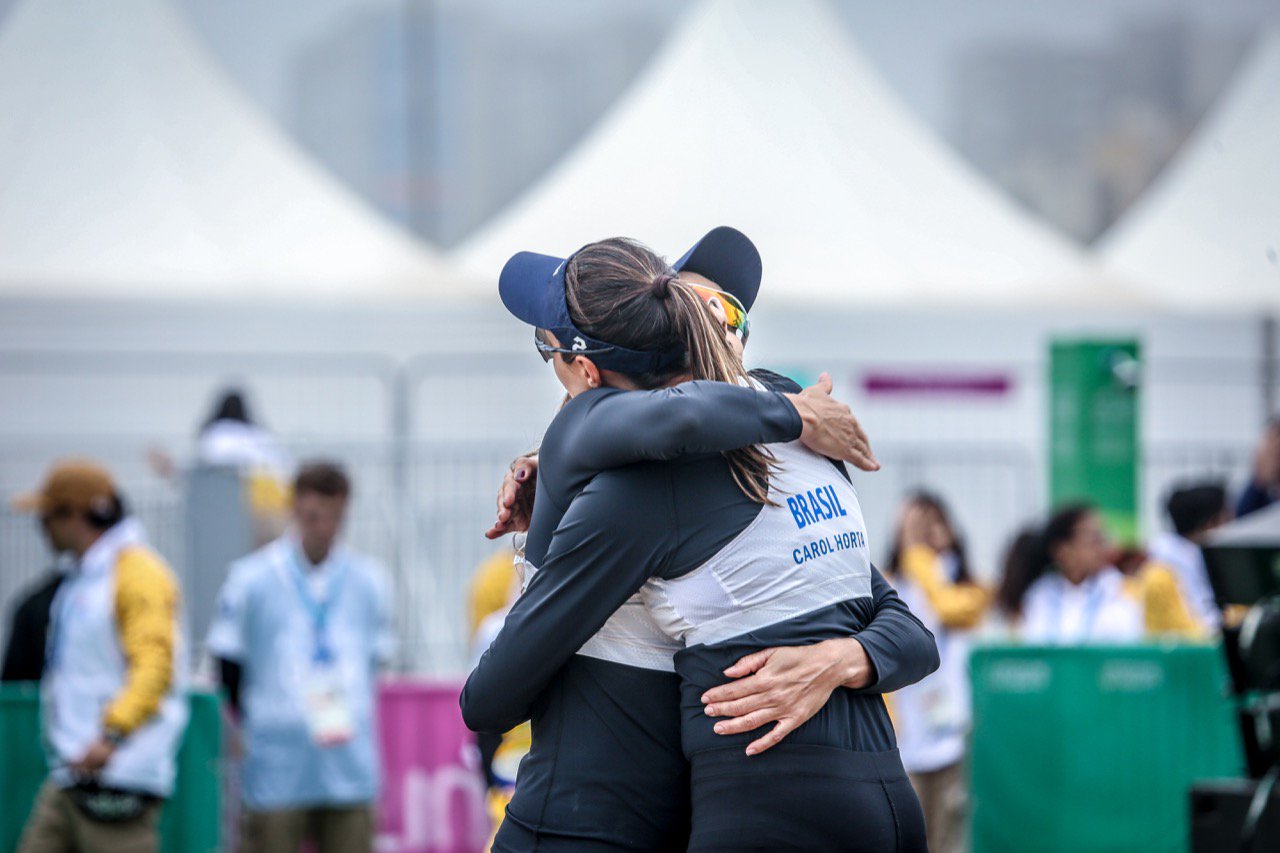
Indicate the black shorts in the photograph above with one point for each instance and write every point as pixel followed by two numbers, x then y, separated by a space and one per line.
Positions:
pixel 804 797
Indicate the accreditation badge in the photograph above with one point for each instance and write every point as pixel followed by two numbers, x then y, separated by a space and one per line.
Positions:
pixel 329 716
pixel 941 710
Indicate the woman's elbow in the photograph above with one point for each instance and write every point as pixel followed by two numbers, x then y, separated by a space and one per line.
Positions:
pixel 482 713
pixel 931 657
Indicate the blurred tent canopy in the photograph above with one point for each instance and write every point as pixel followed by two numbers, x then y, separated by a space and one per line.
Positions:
pixel 131 166
pixel 764 116
pixel 1208 233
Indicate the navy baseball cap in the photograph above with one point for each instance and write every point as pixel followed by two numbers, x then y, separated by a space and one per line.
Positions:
pixel 532 287
pixel 729 258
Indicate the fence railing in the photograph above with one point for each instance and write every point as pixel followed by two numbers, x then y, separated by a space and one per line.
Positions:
pixel 427 441
pixel 434 541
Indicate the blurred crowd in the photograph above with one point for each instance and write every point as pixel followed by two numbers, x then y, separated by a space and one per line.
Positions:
pixel 299 631
pixel 1061 582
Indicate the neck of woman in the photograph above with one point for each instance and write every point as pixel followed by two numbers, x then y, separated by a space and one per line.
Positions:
pixel 1074 575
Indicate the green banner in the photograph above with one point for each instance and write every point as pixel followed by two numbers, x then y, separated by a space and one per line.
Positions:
pixel 192 817
pixel 1093 429
pixel 1095 748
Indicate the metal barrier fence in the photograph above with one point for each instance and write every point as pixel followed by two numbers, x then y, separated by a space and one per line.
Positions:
pixel 433 543
pixel 427 442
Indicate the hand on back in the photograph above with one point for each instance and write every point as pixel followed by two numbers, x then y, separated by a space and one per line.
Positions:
pixel 830 427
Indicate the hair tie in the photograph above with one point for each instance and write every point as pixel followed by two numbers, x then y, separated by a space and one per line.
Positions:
pixel 662 284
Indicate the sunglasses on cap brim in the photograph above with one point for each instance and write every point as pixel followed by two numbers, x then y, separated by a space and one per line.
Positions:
pixel 546 349
pixel 735 316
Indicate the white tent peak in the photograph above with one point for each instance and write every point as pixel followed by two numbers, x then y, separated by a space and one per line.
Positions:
pixel 763 115
pixel 1207 234
pixel 129 165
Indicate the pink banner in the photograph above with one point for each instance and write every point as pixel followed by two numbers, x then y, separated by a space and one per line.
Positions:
pixel 433 796
pixel 937 383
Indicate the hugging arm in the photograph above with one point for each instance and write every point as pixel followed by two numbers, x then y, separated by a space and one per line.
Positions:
pixel 602 552
pixel 616 428
pixel 901 648
pixel 700 417
pixel 687 419
pixel 786 686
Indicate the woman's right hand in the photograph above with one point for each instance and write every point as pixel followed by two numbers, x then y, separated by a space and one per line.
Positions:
pixel 515 497
pixel 785 686
pixel 830 429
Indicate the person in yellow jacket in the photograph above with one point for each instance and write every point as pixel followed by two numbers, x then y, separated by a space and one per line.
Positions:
pixel 1173 584
pixel 113 705
pixel 490 588
pixel 494 586
pixel 930 570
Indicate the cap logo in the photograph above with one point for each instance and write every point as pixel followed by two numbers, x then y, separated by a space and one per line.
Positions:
pixel 579 344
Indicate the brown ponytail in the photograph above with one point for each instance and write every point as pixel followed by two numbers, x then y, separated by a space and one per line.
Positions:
pixel 621 292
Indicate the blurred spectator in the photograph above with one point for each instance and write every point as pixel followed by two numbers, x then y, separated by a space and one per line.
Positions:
pixel 113 704
pixel 29 629
pixel 930 569
pixel 1174 583
pixel 494 587
pixel 231 437
pixel 1012 588
pixel 1264 484
pixel 301 629
pixel 1128 559
pixel 490 589
pixel 1065 588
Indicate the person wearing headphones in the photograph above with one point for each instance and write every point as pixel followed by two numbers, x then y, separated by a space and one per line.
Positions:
pixel 113 704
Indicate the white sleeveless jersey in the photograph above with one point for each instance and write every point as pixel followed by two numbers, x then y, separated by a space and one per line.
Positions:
pixel 807 552
pixel 630 636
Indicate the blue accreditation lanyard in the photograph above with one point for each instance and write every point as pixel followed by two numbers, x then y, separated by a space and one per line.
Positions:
pixel 322 644
pixel 1092 604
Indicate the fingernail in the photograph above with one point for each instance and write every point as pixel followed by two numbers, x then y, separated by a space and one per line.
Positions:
pixel 710 710
pixel 706 697
pixel 751 750
pixel 719 729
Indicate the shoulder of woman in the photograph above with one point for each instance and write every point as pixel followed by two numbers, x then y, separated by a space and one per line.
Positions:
pixel 775 381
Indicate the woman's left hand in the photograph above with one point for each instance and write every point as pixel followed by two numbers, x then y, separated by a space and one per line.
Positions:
pixel 785 686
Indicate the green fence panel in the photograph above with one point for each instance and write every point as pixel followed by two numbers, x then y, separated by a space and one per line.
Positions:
pixel 191 822
pixel 1095 748
pixel 22 763
pixel 192 819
